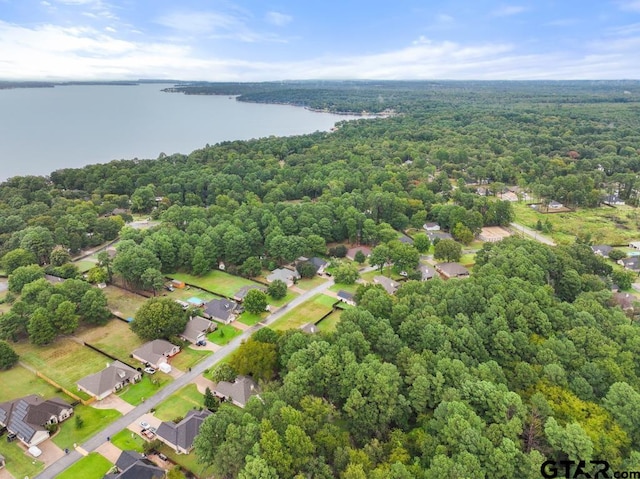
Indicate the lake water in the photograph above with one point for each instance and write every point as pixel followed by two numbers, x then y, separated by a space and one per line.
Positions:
pixel 45 129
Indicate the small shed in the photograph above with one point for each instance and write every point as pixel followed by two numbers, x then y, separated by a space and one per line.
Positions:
pixel 176 283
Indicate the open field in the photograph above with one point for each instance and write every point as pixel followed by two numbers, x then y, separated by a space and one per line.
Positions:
pixel 187 358
pixel 21 382
pixel 612 226
pixel 128 441
pixel 250 319
pixel 216 281
pixel 179 403
pixel 93 466
pixel 93 421
pixel 329 323
pixel 115 338
pixel 223 334
pixel 308 312
pixel 134 394
pixel 121 300
pixel 64 361
pixel 307 284
pixel 19 463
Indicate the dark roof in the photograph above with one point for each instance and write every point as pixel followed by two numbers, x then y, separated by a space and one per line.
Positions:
pixel 242 292
pixel 28 415
pixel 405 239
pixel 631 263
pixel 196 326
pixel 318 262
pixel 153 351
pixel 342 294
pixel 183 433
pixel 127 459
pixel 388 284
pixel 452 270
pixel 602 249
pixel 133 465
pixel 240 391
pixel 220 308
pixel 438 234
pixel 105 380
pixel 283 274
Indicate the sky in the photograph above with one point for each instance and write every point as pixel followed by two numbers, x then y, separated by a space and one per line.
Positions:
pixel 265 40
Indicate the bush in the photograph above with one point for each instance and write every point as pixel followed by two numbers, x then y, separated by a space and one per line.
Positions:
pixel 151 446
pixel 79 421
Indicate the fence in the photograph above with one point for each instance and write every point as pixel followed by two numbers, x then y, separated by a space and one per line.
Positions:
pixel 86 402
pixel 104 353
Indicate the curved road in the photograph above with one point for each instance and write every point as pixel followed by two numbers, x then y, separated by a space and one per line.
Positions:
pixel 101 437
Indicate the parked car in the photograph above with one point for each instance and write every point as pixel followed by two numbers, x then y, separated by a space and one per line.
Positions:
pixel 149 370
pixel 144 425
pixel 152 430
pixel 148 434
pixel 202 342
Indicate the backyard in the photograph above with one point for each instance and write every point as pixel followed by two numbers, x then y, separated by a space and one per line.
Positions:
pixel 21 382
pixel 64 361
pixel 216 281
pixel 329 323
pixel 93 466
pixel 123 301
pixel 93 420
pixel 115 338
pixel 308 312
pixel 126 440
pixel 187 461
pixel 179 403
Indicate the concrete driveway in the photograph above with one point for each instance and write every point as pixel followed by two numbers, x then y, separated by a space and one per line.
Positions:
pixel 108 450
pixel 113 402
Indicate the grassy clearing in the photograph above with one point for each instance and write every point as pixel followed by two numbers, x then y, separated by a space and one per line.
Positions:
pixel 187 461
pixel 468 260
pixel 19 463
pixel 179 403
pixel 223 334
pixel 121 300
pixel 85 265
pixel 22 383
pixel 184 294
pixel 308 312
pixel 216 281
pixel 307 284
pixel 349 288
pixel 93 419
pixel 93 466
pixel 606 225
pixel 387 271
pixel 250 319
pixel 128 441
pixel 64 361
pixel 279 302
pixel 134 394
pixel 330 322
pixel 115 338
pixel 187 358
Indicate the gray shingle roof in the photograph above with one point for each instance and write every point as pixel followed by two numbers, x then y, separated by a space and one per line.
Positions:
pixel 452 270
pixel 134 465
pixel 221 309
pixel 28 415
pixel 242 292
pixel 342 294
pixel 154 350
pixel 240 391
pixel 106 380
pixel 183 433
pixel 196 326
pixel 388 284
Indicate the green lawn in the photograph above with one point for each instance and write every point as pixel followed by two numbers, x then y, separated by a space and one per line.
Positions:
pixel 216 281
pixel 94 420
pixel 121 300
pixel 330 322
pixel 279 302
pixel 223 334
pixel 187 461
pixel 115 338
pixel 85 265
pixel 19 463
pixel 606 225
pixel 184 294
pixel 468 260
pixel 386 272
pixel 179 403
pixel 128 441
pixel 308 312
pixel 134 394
pixel 64 361
pixel 307 284
pixel 93 466
pixel 349 288
pixel 187 358
pixel 250 319
pixel 22 383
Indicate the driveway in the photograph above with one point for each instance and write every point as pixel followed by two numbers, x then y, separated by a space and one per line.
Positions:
pixel 4 474
pixel 210 346
pixel 108 450
pixel 50 452
pixel 203 383
pixel 113 402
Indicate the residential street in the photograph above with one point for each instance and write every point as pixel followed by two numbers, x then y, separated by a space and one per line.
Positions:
pixel 532 234
pixel 100 438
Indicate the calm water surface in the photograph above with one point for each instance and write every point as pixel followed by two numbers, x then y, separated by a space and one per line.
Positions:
pixel 45 129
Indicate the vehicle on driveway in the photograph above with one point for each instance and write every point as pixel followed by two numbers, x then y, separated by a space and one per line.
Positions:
pixel 144 425
pixel 149 370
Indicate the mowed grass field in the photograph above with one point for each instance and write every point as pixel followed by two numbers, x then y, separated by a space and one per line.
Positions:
pixel 19 463
pixel 93 421
pixel 123 301
pixel 187 358
pixel 329 323
pixel 64 361
pixel 115 338
pixel 18 382
pixel 93 466
pixel 308 312
pixel 216 281
pixel 179 403
pixel 606 225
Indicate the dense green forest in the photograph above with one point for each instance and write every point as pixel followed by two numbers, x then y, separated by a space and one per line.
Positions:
pixel 485 377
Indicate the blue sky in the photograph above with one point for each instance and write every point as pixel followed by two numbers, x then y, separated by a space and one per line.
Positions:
pixel 253 40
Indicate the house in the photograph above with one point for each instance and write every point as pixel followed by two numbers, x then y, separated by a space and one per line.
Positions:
pixel 242 292
pixel 111 379
pixel 287 276
pixel 155 352
pixel 602 250
pixel 613 200
pixel 427 272
pixel 554 205
pixel 176 283
pixel 624 300
pixel 346 297
pixel 405 239
pixel 309 328
pixel 634 245
pixel 237 392
pixel 351 252
pixel 452 270
pixel 431 226
pixel 133 465
pixel 440 235
pixel 53 279
pixel 197 329
pixel 508 196
pixel 632 263
pixel 223 310
pixel 319 264
pixel 180 436
pixel 388 284
pixel 28 417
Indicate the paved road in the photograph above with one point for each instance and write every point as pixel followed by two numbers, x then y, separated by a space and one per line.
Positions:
pixel 101 437
pixel 532 234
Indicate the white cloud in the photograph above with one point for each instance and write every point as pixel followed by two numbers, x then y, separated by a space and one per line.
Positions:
pixel 198 22
pixel 278 19
pixel 508 10
pixel 629 5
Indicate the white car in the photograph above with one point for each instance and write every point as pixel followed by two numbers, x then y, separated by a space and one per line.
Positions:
pixel 149 370
pixel 144 425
